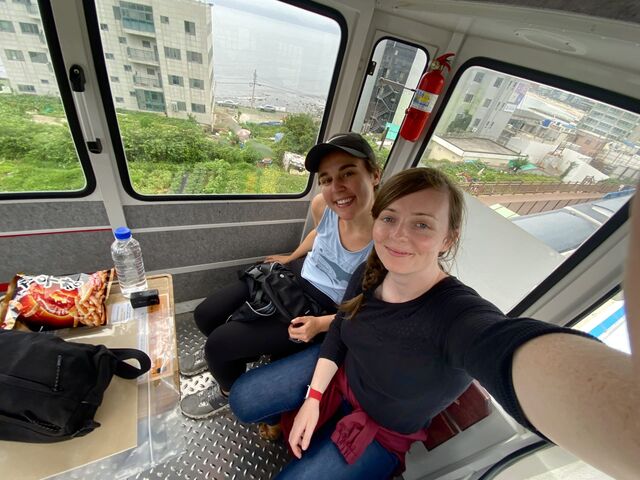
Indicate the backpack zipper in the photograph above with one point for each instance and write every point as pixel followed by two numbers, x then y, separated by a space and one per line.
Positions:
pixel 56 384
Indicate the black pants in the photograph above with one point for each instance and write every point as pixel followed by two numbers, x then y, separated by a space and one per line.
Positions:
pixel 230 346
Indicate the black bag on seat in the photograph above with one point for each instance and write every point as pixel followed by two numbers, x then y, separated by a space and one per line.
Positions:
pixel 274 291
pixel 50 389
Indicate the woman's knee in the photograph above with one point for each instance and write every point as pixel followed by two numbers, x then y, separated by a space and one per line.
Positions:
pixel 214 310
pixel 242 398
pixel 201 316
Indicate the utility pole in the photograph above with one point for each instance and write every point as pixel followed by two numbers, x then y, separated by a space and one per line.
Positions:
pixel 253 93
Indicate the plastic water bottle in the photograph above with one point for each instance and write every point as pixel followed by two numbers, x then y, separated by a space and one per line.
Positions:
pixel 127 258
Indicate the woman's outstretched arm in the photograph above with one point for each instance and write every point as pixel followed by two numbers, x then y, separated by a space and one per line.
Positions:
pixel 632 283
pixel 584 395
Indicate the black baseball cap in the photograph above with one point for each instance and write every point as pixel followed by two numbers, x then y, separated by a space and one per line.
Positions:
pixel 351 143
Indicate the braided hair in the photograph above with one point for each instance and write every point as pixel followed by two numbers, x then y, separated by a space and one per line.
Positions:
pixel 400 185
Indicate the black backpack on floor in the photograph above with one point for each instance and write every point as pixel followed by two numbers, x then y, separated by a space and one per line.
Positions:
pixel 50 389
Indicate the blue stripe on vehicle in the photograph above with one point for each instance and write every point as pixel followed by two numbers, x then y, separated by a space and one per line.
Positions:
pixel 607 323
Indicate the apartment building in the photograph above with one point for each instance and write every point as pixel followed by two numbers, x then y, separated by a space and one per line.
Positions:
pixel 483 104
pixel 23 49
pixel 158 53
pixel 610 122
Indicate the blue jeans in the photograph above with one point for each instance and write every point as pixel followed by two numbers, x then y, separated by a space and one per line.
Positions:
pixel 262 394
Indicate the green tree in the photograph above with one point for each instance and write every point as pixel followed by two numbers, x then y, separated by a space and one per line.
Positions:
pixel 460 123
pixel 300 134
pixel 516 164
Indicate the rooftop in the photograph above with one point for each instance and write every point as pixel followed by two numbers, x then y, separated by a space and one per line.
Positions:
pixel 479 145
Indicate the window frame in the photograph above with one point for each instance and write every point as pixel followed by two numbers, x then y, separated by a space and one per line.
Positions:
pixel 20 52
pixel 29 30
pixel 10 24
pixel 366 75
pixel 189 26
pixel 190 57
pixel 26 88
pixel 59 70
pixel 172 50
pixel 97 52
pixel 171 77
pixel 599 94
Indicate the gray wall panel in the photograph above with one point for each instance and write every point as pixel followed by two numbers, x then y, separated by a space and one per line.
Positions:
pixel 55 254
pixel 161 215
pixel 19 217
pixel 188 286
pixel 181 248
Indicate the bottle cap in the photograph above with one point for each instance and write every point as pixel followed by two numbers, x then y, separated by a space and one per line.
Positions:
pixel 122 233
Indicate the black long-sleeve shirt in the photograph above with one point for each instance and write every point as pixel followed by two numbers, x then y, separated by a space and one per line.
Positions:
pixel 406 362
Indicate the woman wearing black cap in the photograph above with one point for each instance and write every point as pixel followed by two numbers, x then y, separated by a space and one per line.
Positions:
pixel 341 240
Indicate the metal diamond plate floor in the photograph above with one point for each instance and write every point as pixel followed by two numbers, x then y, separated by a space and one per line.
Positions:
pixel 220 447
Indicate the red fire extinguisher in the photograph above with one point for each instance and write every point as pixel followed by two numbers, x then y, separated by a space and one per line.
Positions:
pixel 424 99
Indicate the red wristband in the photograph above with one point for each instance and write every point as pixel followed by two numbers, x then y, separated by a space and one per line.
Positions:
pixel 312 393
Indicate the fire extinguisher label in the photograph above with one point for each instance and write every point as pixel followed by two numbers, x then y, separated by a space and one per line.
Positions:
pixel 423 100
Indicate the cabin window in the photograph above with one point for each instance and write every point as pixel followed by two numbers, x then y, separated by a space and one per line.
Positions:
pixel 549 463
pixel 251 109
pixel 395 69
pixel 37 152
pixel 541 177
pixel 608 322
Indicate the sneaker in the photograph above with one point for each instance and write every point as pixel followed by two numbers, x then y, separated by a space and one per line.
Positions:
pixel 203 404
pixel 193 364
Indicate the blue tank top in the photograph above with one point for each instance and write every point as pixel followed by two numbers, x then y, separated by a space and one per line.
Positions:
pixel 329 265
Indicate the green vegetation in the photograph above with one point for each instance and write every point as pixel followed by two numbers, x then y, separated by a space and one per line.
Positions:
pixel 164 155
pixel 482 173
pixel 36 151
pixel 300 133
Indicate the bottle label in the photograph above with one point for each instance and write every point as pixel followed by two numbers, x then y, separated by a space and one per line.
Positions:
pixel 423 100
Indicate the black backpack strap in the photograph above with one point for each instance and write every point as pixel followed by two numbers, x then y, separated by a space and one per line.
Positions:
pixel 126 370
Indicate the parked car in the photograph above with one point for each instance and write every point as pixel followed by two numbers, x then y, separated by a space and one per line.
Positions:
pixel 267 108
pixel 227 103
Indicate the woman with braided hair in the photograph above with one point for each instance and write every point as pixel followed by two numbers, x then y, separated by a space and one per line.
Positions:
pixel 412 337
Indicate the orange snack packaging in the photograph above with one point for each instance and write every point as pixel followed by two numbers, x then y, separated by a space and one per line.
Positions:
pixel 48 302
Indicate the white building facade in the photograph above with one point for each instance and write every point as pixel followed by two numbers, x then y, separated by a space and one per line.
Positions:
pixel 159 54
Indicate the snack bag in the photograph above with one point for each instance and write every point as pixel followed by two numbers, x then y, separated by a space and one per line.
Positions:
pixel 47 302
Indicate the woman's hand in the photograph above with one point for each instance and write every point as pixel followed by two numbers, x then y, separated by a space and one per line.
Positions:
pixel 283 259
pixel 303 426
pixel 303 329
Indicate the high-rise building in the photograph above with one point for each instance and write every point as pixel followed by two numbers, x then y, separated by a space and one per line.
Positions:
pixel 395 64
pixel 483 103
pixel 610 122
pixel 159 54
